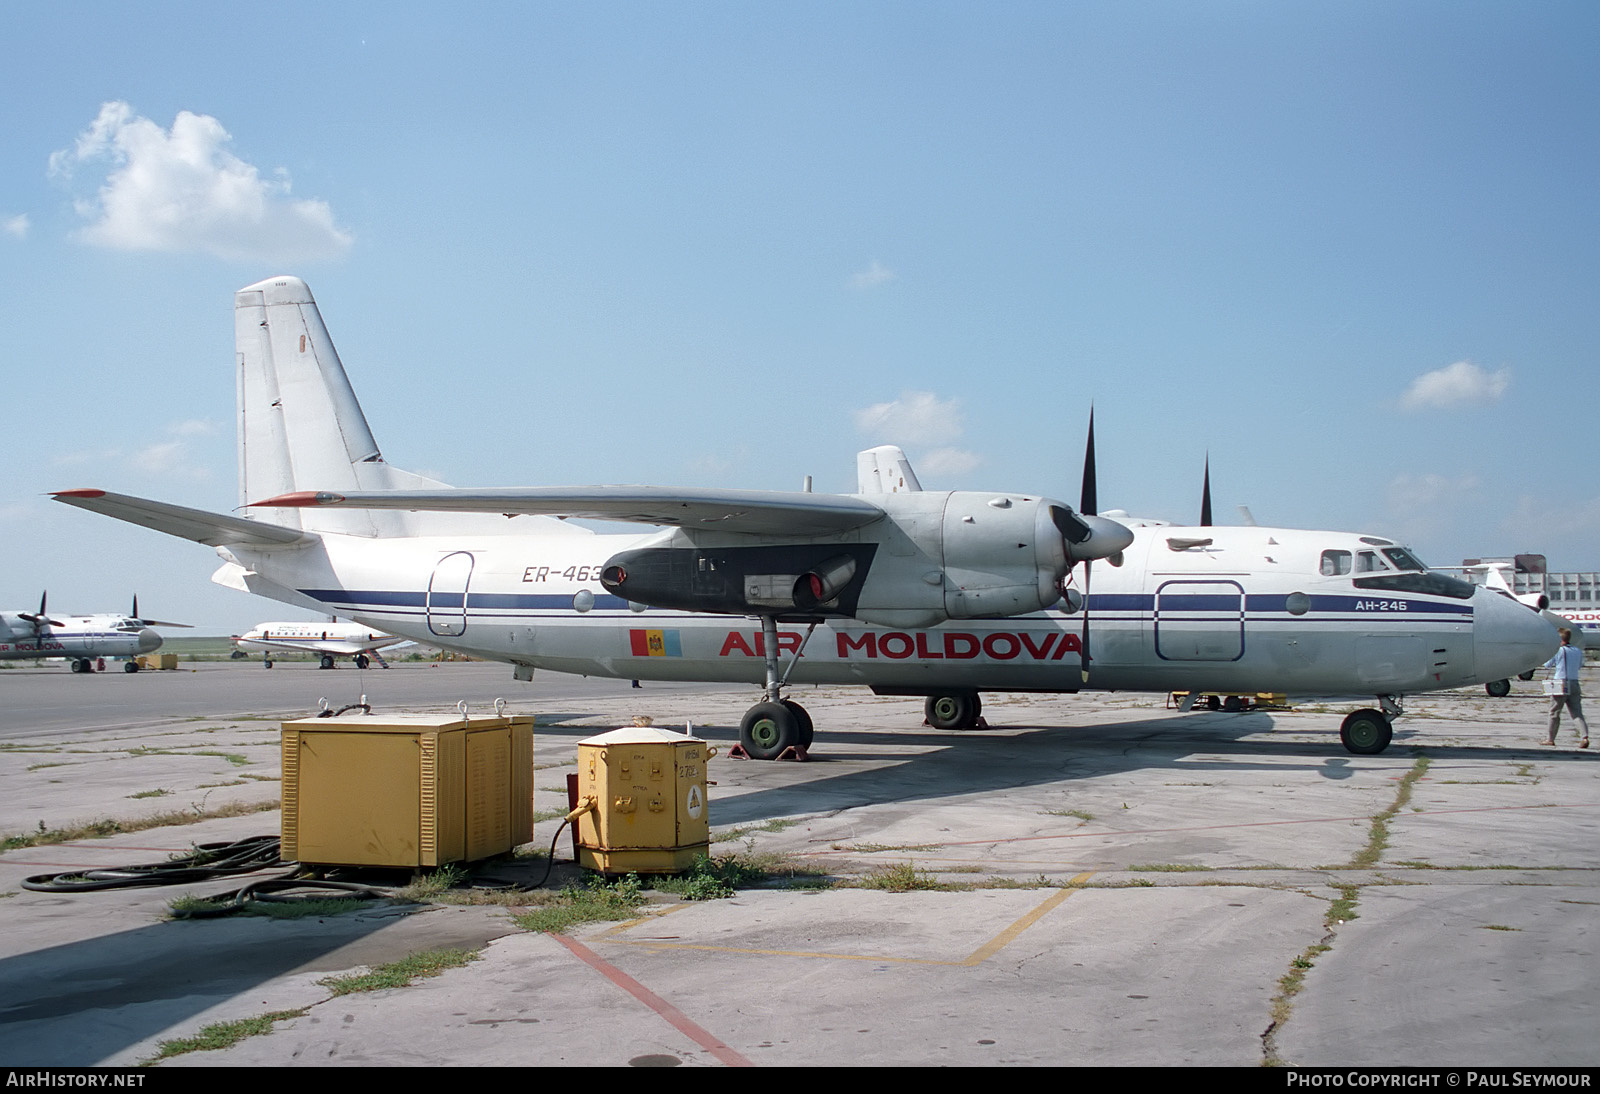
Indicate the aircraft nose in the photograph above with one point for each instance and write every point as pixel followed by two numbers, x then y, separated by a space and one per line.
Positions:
pixel 149 640
pixel 1508 638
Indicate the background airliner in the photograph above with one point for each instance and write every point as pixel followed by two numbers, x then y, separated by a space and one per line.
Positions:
pixel 329 639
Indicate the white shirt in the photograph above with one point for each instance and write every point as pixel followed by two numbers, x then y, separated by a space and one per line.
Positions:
pixel 1567 662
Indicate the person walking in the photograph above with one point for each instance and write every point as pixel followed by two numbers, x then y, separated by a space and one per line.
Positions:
pixel 1564 690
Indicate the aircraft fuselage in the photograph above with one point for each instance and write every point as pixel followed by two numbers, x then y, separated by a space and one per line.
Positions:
pixel 1250 609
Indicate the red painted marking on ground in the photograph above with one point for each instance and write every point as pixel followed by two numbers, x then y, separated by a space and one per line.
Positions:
pixel 674 1017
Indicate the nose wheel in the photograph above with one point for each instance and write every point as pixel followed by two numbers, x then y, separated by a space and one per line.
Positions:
pixel 1366 732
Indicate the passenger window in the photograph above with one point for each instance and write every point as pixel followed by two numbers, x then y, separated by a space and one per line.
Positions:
pixel 1335 563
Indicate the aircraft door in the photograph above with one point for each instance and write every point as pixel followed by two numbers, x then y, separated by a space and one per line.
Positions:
pixel 1199 621
pixel 447 594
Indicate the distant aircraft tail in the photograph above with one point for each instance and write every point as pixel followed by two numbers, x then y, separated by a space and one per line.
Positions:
pixel 300 426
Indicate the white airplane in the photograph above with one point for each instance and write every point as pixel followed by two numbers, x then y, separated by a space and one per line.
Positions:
pixel 82 639
pixel 331 639
pixel 911 592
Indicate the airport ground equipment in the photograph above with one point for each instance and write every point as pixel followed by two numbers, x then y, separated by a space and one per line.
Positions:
pixel 406 790
pixel 647 789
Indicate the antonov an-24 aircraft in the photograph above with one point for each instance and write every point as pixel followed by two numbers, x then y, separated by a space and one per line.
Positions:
pixel 907 591
pixel 83 640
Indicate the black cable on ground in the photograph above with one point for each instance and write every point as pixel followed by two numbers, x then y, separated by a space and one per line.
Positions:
pixel 207 862
pixel 550 860
pixel 269 890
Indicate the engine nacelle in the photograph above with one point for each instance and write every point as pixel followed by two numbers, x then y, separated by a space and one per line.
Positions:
pixel 934 556
pixel 791 579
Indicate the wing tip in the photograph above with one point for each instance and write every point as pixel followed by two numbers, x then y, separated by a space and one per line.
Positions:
pixel 299 499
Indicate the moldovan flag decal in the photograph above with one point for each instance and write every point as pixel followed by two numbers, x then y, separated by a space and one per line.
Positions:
pixel 655 643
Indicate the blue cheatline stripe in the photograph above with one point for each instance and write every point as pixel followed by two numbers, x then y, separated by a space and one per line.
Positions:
pixel 1259 608
pixel 381 598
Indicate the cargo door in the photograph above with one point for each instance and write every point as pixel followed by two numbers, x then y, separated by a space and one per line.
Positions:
pixel 1199 621
pixel 447 594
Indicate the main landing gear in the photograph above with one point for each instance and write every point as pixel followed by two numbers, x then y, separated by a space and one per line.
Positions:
pixel 1368 732
pixel 776 727
pixel 955 710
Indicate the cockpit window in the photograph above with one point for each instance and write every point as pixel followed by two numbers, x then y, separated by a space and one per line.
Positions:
pixel 1403 559
pixel 1335 563
pixel 1432 584
pixel 1368 562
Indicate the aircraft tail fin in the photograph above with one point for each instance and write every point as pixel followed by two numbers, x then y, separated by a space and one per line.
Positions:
pixel 885 470
pixel 300 425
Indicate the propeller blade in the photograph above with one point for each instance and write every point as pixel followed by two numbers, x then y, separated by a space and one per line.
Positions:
pixel 1089 505
pixel 1088 501
pixel 1083 651
pixel 135 613
pixel 1205 496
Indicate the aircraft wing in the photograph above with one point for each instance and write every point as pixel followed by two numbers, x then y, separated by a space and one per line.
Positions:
pixel 750 512
pixel 212 529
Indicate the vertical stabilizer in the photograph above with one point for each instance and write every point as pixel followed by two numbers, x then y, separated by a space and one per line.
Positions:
pixel 885 470
pixel 300 426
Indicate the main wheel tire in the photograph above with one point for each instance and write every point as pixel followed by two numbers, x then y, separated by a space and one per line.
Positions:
pixel 361 661
pixel 78 664
pixel 1498 688
pixel 130 666
pixel 1525 675
pixel 1366 732
pixel 952 710
pixel 807 730
pixel 767 729
pixel 266 662
pixel 327 661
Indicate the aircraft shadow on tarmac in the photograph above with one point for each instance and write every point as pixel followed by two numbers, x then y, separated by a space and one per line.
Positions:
pixel 82 1002
pixel 954 764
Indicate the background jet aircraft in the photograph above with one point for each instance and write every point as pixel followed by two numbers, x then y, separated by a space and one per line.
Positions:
pixel 82 639
pixel 330 639
pixel 909 591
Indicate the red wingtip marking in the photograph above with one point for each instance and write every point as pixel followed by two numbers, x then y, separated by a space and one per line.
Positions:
pixel 79 494
pixel 299 499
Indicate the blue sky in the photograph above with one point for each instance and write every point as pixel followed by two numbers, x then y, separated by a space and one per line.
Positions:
pixel 1347 249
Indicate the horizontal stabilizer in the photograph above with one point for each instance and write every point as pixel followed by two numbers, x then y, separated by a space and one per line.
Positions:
pixel 212 529
pixel 748 512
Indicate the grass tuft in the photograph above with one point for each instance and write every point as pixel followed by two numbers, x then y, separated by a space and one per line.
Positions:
pixel 397 974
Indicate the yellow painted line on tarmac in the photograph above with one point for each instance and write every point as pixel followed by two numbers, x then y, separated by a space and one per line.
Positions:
pixel 977 957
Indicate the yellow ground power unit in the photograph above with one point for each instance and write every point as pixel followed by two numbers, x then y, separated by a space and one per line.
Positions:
pixel 406 790
pixel 650 814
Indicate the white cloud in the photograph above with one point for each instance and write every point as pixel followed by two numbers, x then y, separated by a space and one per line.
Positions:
pixel 921 418
pixel 174 457
pixel 947 461
pixel 16 226
pixel 873 276
pixel 1460 384
pixel 182 190
pixel 915 416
